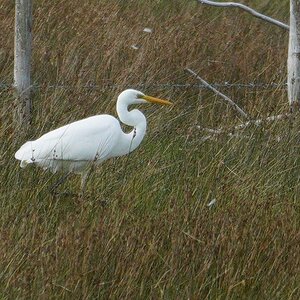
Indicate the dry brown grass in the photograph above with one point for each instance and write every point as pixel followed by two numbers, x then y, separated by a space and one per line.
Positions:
pixel 157 238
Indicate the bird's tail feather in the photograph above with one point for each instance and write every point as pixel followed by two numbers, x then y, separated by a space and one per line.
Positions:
pixel 24 163
pixel 24 154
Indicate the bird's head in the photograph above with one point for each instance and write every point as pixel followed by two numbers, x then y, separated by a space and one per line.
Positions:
pixel 132 96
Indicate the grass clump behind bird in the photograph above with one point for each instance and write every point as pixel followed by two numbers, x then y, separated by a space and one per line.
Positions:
pixel 156 237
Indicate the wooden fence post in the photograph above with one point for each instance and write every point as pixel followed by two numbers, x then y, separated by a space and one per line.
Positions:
pixel 294 56
pixel 22 61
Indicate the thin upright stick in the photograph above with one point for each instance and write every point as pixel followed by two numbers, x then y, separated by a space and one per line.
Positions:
pixel 294 56
pixel 22 61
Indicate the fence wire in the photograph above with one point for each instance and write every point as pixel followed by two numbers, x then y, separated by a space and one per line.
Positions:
pixel 254 86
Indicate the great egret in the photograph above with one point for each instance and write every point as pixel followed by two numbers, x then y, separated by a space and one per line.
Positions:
pixel 78 145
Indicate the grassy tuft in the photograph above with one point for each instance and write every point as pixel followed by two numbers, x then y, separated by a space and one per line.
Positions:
pixel 145 230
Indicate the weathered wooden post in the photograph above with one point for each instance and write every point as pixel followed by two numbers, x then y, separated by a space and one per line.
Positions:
pixel 294 56
pixel 22 61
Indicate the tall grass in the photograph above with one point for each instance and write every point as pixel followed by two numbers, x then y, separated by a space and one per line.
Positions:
pixel 144 229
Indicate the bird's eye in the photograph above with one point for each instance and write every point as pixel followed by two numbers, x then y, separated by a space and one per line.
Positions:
pixel 139 96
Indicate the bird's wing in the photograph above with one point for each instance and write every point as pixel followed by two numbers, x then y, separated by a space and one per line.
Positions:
pixel 85 140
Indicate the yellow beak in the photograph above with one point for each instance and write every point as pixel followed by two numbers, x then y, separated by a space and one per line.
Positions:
pixel 156 100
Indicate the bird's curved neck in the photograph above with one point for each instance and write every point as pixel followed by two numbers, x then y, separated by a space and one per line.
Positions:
pixel 130 141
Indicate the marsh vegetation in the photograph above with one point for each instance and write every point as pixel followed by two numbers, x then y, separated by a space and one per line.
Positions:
pixel 156 237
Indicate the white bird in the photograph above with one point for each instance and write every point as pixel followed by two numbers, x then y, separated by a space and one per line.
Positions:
pixel 79 145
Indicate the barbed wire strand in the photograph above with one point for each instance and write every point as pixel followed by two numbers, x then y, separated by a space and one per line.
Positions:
pixel 251 85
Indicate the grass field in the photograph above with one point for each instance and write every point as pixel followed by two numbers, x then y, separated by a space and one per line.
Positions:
pixel 156 238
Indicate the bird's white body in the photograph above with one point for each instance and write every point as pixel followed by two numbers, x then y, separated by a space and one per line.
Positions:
pixel 74 147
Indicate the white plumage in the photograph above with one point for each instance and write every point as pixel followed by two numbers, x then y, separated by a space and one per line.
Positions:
pixel 73 147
